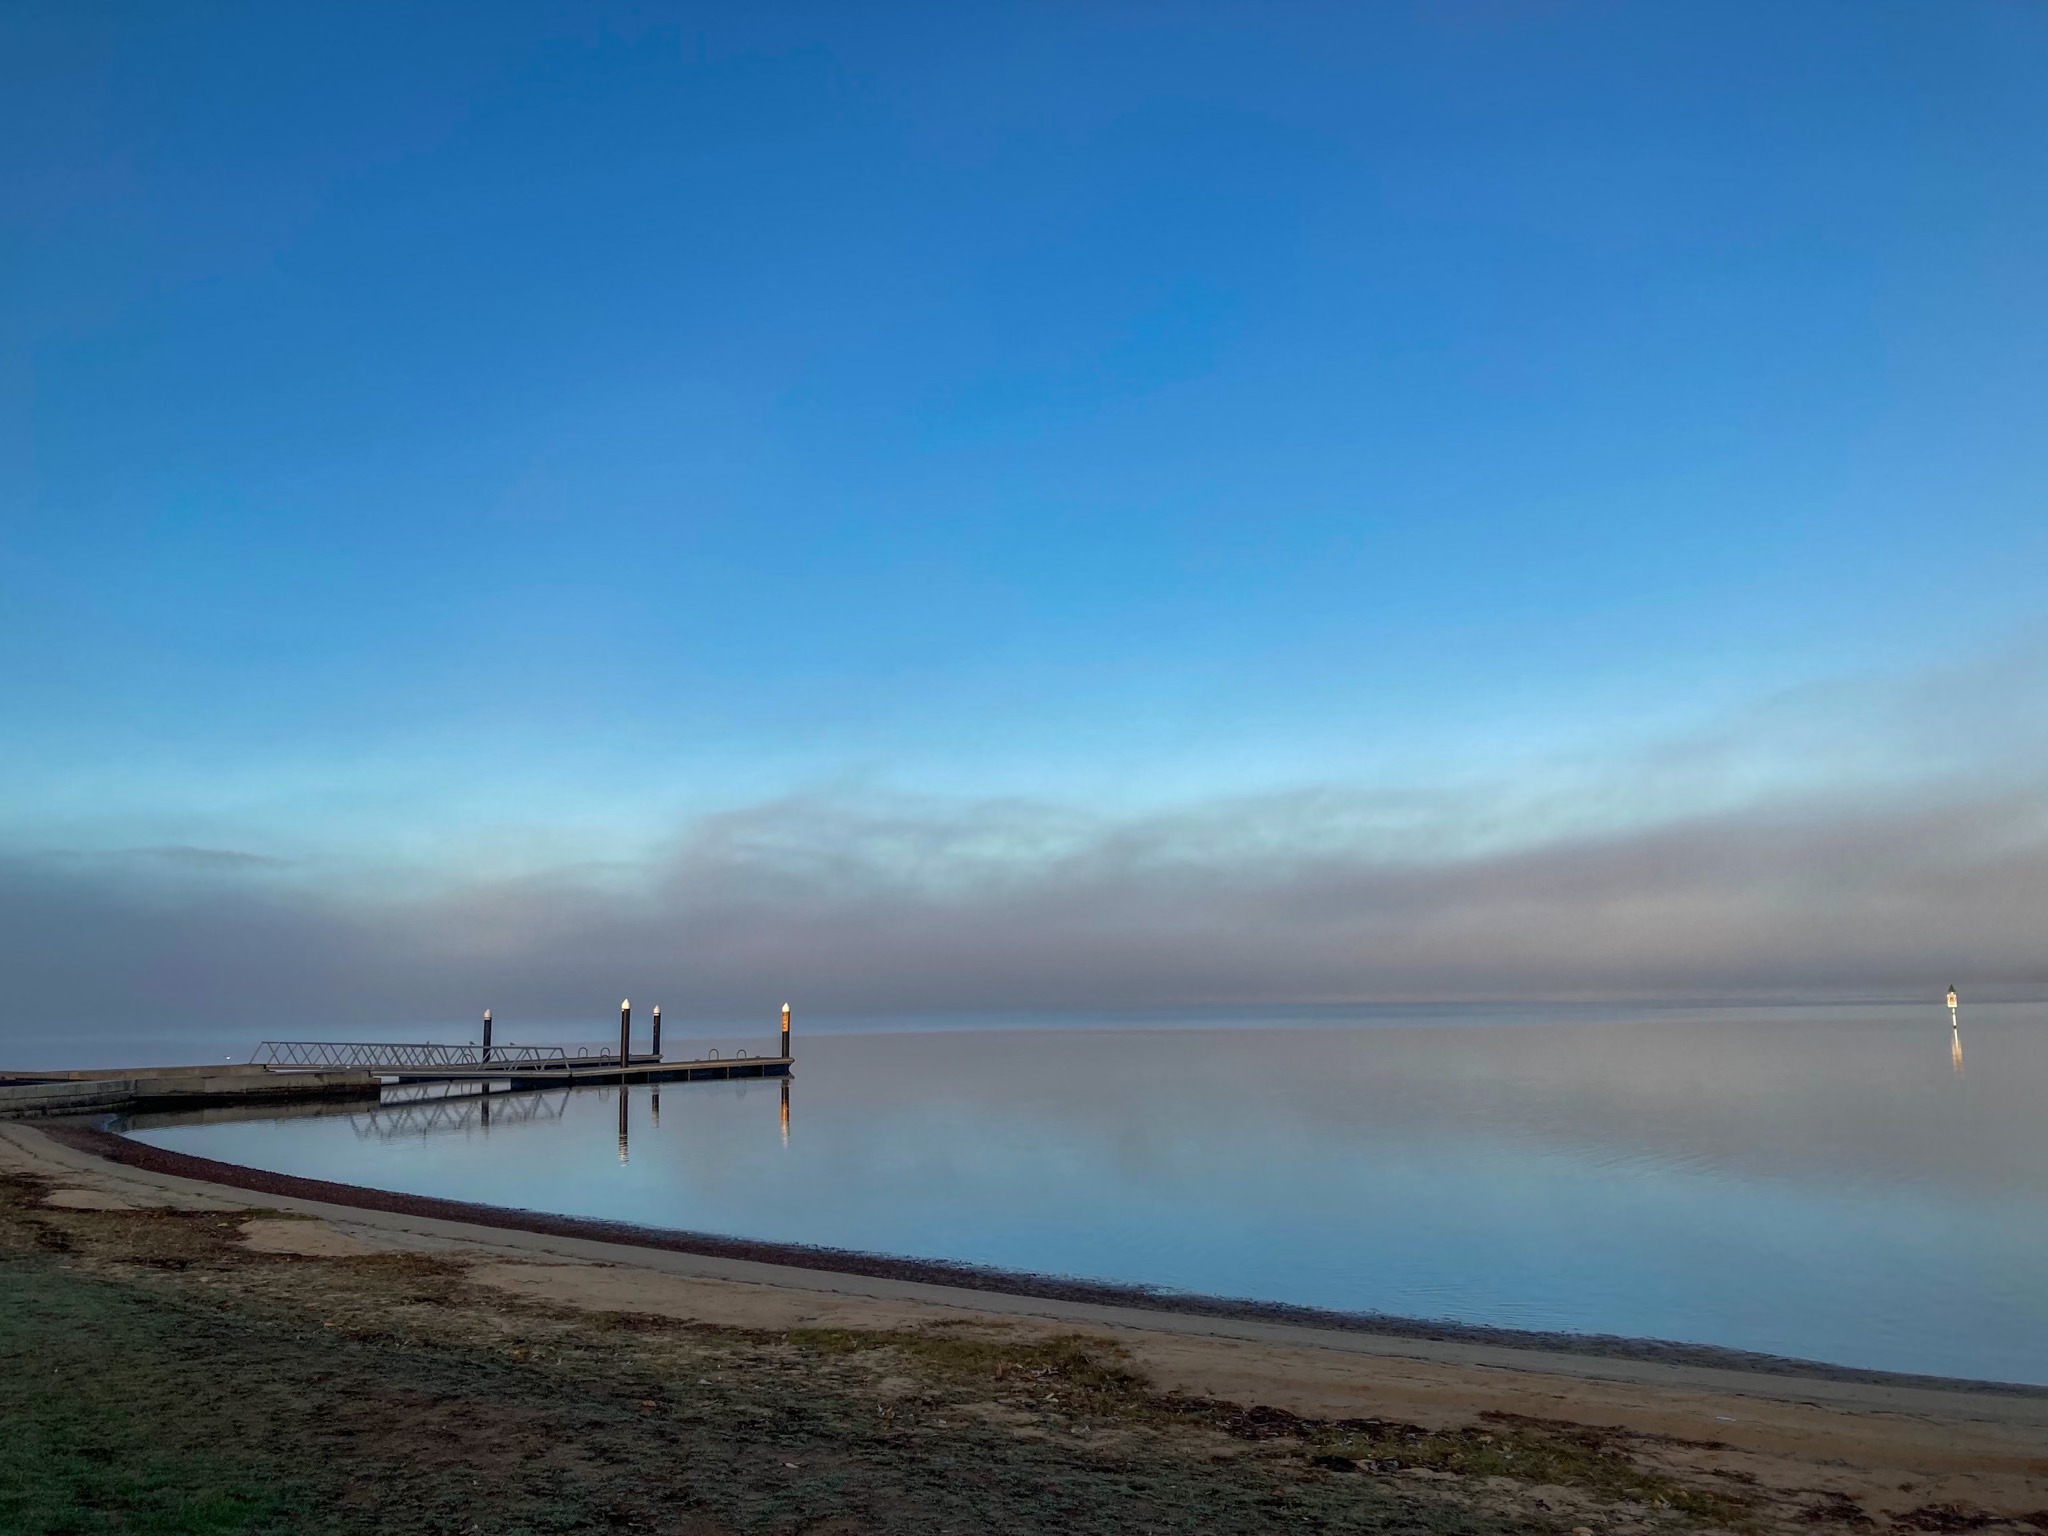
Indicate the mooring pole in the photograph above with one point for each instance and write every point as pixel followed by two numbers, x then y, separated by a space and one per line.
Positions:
pixel 487 1034
pixel 625 1033
pixel 657 1031
pixel 785 1031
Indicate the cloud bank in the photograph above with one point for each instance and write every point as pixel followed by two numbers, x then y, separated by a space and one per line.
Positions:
pixel 863 904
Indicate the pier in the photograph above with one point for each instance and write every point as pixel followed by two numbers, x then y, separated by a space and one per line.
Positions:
pixel 534 1066
pixel 286 1070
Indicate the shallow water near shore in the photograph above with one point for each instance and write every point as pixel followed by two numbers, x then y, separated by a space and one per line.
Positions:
pixel 1823 1183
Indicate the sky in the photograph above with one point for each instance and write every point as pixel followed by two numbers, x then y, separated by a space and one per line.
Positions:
pixel 1018 507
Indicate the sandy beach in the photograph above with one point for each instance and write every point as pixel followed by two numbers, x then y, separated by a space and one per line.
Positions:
pixel 1349 1428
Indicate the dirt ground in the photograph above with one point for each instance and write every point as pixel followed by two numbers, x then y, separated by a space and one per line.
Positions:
pixel 213 1369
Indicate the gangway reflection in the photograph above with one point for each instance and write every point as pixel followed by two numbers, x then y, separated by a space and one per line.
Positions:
pixel 453 1114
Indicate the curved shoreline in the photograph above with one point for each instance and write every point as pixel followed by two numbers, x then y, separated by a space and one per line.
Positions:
pixel 91 1135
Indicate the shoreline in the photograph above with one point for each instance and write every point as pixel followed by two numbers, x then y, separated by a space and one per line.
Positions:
pixel 594 1369
pixel 92 1136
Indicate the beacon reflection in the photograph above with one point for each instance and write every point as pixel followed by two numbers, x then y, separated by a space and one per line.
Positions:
pixel 785 1111
pixel 623 1101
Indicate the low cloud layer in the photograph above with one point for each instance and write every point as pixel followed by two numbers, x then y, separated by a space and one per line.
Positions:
pixel 861 905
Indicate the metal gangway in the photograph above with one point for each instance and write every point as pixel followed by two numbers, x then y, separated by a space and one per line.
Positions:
pixel 386 1056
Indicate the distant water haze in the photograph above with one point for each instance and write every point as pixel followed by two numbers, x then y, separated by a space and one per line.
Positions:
pixel 865 904
pixel 1816 1182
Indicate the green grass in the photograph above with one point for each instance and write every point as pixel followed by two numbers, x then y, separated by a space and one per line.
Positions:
pixel 1090 1376
pixel 76 1455
pixel 1569 1458
pixel 1085 1374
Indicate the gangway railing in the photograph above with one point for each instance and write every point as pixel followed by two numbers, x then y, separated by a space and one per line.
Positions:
pixel 384 1056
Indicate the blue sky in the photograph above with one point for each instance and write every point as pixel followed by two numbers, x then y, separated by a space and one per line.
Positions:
pixel 485 439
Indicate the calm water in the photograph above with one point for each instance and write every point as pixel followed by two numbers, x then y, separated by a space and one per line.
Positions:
pixel 1819 1183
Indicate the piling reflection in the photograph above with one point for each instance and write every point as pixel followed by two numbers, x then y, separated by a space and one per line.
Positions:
pixel 625 1115
pixel 1955 1049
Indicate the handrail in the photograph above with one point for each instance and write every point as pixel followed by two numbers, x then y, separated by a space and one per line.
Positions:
pixel 373 1055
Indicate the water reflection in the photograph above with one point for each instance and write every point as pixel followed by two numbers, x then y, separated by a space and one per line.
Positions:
pixel 1805 1182
pixel 654 1112
pixel 457 1114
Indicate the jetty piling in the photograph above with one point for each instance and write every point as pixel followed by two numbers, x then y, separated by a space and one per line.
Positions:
pixel 625 1032
pixel 785 1029
pixel 657 1032
pixel 487 1036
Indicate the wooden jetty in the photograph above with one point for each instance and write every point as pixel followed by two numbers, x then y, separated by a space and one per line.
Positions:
pixel 303 1069
pixel 528 1069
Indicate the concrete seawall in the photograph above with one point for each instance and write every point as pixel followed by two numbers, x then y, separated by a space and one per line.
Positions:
pixel 26 1094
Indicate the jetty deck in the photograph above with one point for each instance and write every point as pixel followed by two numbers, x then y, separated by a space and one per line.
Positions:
pixel 93 1090
pixel 639 1069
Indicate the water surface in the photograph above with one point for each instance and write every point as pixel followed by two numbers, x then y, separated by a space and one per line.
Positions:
pixel 1822 1183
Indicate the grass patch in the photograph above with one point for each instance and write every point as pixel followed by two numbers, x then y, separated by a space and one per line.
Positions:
pixel 1566 1455
pixel 1085 1373
pixel 78 1457
pixel 1092 1376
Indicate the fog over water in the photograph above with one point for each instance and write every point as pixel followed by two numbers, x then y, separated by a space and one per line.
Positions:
pixel 854 907
pixel 1817 1182
pixel 1872 837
